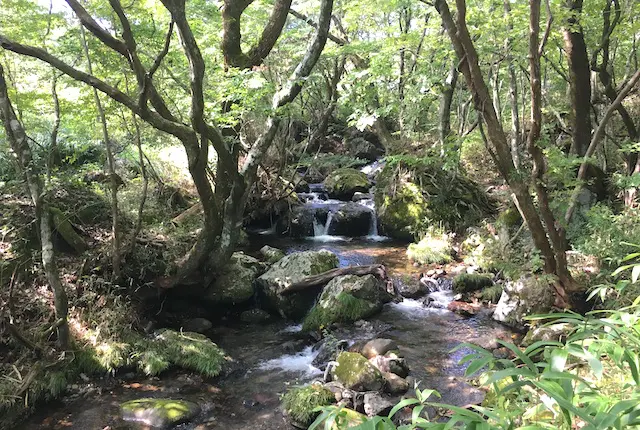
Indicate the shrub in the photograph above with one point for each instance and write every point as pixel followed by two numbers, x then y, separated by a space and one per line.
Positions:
pixel 300 403
pixel 434 248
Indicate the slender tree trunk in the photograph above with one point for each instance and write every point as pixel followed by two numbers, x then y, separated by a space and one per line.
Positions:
pixel 145 182
pixel 332 96
pixel 54 151
pixel 465 49
pixel 446 99
pixel 111 166
pixel 579 79
pixel 513 91
pixel 17 138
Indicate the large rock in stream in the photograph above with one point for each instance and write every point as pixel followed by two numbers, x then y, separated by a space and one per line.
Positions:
pixel 347 299
pixel 343 183
pixel 291 269
pixel 526 296
pixel 235 283
pixel 356 373
pixel 159 413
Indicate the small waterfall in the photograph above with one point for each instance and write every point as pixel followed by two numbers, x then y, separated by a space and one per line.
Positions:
pixel 441 292
pixel 373 227
pixel 321 232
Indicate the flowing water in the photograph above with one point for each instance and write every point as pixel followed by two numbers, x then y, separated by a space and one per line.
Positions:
pixel 274 356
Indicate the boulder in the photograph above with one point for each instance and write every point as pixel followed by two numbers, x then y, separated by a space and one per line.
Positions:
pixel 352 220
pixel 356 373
pixel 378 404
pixel 400 213
pixel 469 282
pixel 235 283
pixel 299 221
pixel 393 384
pixel 526 296
pixel 464 308
pixel 358 196
pixel 271 254
pixel 378 346
pixel 198 325
pixel 347 299
pixel 391 363
pixel 343 183
pixel 363 144
pixel 160 413
pixel 293 268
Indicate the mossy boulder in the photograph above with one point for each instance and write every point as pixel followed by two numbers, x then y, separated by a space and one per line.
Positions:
pixel 347 299
pixel 159 413
pixel 491 294
pixel 235 284
pixel 343 183
pixel 299 403
pixel 271 255
pixel 412 194
pixel 526 296
pixel 355 372
pixel 293 268
pixel 470 282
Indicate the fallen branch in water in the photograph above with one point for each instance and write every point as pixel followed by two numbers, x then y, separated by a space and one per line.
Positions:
pixel 378 270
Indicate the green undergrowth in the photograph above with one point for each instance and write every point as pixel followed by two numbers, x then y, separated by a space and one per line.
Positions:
pixel 469 282
pixel 300 402
pixel 348 309
pixel 435 247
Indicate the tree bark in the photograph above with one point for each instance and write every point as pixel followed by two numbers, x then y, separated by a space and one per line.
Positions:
pixel 513 91
pixel 111 168
pixel 579 79
pixel 446 99
pixel 17 138
pixel 377 270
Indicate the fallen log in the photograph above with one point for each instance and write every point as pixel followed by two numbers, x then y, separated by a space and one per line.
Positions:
pixel 193 210
pixel 378 270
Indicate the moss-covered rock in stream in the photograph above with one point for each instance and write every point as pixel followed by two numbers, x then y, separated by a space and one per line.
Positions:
pixel 491 294
pixel 347 299
pixel 159 413
pixel 235 284
pixel 470 282
pixel 293 268
pixel 343 183
pixel 355 372
pixel 412 194
pixel 299 403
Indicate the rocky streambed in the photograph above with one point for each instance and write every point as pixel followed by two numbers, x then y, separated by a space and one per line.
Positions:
pixel 272 356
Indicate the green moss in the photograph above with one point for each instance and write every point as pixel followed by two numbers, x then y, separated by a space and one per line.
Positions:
pixel 355 372
pixel 434 248
pixel 469 282
pixel 348 309
pixel 300 402
pixel 509 218
pixel 402 213
pixel 491 294
pixel 342 183
pixel 161 413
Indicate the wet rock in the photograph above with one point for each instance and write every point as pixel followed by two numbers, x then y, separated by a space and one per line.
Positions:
pixel 357 196
pixel 378 346
pixel 255 316
pixel 526 296
pixel 328 350
pixel 293 268
pixel 393 384
pixel 235 283
pixel 198 325
pixel 377 404
pixel 391 363
pixel 364 148
pixel 464 308
pixel 292 346
pixel 343 183
pixel 413 290
pixel 356 373
pixel 271 254
pixel 160 413
pixel 351 220
pixel 347 299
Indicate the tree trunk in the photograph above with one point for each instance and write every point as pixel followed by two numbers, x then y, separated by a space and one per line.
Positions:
pixel 17 138
pixel 513 92
pixel 145 182
pixel 579 79
pixel 446 99
pixel 468 56
pixel 323 278
pixel 54 151
pixel 111 166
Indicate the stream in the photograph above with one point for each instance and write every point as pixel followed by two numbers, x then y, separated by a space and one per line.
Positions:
pixel 274 356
